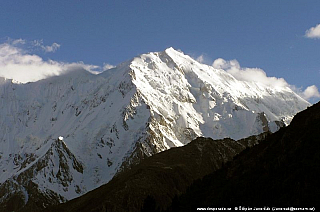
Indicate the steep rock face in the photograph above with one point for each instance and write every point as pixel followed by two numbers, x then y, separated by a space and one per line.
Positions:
pixel 110 121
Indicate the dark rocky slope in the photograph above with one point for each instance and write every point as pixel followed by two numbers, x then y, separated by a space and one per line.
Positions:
pixel 283 170
pixel 161 177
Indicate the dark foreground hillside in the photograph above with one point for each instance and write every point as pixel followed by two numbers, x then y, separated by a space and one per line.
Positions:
pixel 160 177
pixel 283 170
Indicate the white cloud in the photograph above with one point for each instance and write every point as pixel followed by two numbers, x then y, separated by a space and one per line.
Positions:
pixel 311 92
pixel 16 64
pixel 220 63
pixel 93 69
pixel 203 58
pixel 18 41
pixel 313 32
pixel 39 43
pixel 51 48
pixel 22 66
pixel 248 74
pixel 258 75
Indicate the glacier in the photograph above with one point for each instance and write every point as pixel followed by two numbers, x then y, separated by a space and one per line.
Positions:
pixel 71 133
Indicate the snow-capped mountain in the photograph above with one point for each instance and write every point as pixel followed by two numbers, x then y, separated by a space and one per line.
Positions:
pixel 143 106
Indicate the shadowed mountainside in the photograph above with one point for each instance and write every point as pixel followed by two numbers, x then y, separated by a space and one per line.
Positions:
pixel 162 176
pixel 282 170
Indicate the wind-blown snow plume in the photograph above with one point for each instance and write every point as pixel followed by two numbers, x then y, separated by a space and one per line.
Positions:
pixel 200 59
pixel 107 66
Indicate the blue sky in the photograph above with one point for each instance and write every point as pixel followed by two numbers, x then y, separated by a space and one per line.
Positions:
pixel 264 34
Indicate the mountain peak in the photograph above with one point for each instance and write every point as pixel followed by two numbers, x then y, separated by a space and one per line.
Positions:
pixel 177 54
pixel 141 107
pixel 171 49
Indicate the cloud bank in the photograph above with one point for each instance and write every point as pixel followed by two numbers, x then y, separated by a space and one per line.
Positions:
pixel 23 66
pixel 313 32
pixel 248 74
pixel 311 92
pixel 258 75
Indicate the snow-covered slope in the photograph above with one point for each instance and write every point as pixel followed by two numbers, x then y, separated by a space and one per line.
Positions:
pixel 143 106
